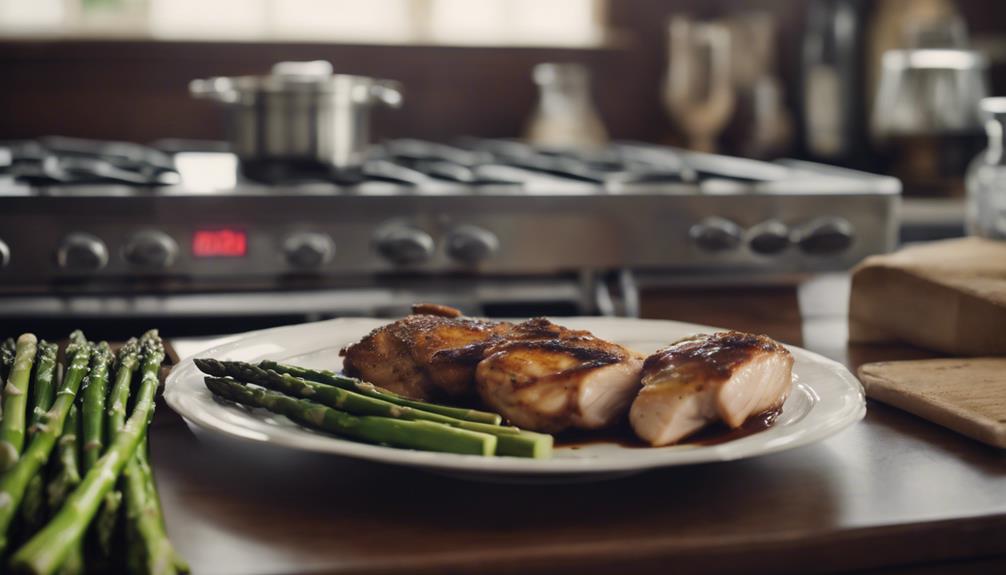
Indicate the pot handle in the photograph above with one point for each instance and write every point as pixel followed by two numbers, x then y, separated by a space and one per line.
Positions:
pixel 217 89
pixel 387 92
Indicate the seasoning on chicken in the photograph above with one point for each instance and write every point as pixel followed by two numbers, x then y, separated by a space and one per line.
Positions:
pixel 402 356
pixel 548 378
pixel 727 376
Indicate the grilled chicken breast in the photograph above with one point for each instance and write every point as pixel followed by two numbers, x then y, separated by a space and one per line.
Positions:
pixel 403 355
pixel 539 375
pixel 727 376
pixel 544 377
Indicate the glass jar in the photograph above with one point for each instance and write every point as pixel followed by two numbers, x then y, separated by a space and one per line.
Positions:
pixel 986 177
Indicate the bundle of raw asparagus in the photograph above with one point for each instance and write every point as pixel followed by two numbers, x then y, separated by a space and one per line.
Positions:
pixel 351 408
pixel 77 493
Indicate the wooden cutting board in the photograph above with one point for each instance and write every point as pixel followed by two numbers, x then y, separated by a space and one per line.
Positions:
pixel 965 395
pixel 948 296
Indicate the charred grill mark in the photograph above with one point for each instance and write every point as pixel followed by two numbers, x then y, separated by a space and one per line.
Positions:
pixel 589 353
pixel 538 326
pixel 504 334
pixel 713 356
pixel 469 354
pixel 588 356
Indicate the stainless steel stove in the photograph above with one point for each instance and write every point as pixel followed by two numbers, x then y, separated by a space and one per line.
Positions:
pixel 98 229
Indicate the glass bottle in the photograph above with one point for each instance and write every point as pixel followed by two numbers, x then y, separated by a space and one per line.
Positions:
pixel 565 116
pixel 986 177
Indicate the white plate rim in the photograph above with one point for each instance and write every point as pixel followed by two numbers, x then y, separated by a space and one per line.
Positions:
pixel 833 408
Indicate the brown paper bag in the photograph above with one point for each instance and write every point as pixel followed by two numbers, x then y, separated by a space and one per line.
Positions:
pixel 948 296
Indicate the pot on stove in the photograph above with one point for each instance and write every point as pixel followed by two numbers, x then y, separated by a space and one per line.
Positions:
pixel 299 120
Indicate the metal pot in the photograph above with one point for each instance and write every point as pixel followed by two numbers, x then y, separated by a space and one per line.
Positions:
pixel 299 118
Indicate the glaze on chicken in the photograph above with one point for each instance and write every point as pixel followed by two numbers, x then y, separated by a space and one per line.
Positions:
pixel 571 379
pixel 403 355
pixel 727 376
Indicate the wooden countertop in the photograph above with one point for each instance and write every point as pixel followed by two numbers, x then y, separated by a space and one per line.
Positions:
pixel 892 494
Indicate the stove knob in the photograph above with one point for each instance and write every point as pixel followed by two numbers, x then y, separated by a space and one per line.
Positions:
pixel 769 238
pixel 4 254
pixel 151 249
pixel 404 244
pixel 825 236
pixel 82 252
pixel 307 250
pixel 716 234
pixel 471 244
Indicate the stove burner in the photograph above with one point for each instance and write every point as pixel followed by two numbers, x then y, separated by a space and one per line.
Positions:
pixel 408 163
pixel 59 160
pixel 287 172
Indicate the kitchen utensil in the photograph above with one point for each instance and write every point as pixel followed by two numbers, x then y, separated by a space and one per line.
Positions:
pixel 698 89
pixel 300 117
pixel 825 399
pixel 966 395
pixel 565 116
pixel 986 178
pixel 948 296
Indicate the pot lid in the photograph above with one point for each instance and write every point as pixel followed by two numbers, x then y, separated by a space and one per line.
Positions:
pixel 298 77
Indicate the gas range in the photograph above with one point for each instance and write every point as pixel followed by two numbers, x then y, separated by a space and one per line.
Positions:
pixel 84 223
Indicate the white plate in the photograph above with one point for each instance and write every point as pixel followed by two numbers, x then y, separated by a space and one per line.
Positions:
pixel 825 399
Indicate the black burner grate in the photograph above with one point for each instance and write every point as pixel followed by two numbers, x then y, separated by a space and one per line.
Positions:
pixel 62 161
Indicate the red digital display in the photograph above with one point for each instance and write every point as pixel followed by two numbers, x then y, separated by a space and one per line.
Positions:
pixel 220 243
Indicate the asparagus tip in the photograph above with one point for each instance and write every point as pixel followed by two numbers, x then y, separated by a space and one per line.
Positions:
pixel 27 339
pixel 210 366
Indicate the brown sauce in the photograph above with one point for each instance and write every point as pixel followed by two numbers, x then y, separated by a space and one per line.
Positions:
pixel 623 436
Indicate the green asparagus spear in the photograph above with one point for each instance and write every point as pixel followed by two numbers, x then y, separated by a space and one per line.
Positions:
pixel 15 401
pixel 149 549
pixel 7 351
pixel 43 390
pixel 49 548
pixel 426 435
pixel 92 405
pixel 66 475
pixel 510 440
pixel 92 416
pixel 127 361
pixel 66 478
pixel 352 384
pixel 50 426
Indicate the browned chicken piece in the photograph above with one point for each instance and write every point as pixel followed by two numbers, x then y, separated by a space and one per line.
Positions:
pixel 727 376
pixel 403 356
pixel 545 377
